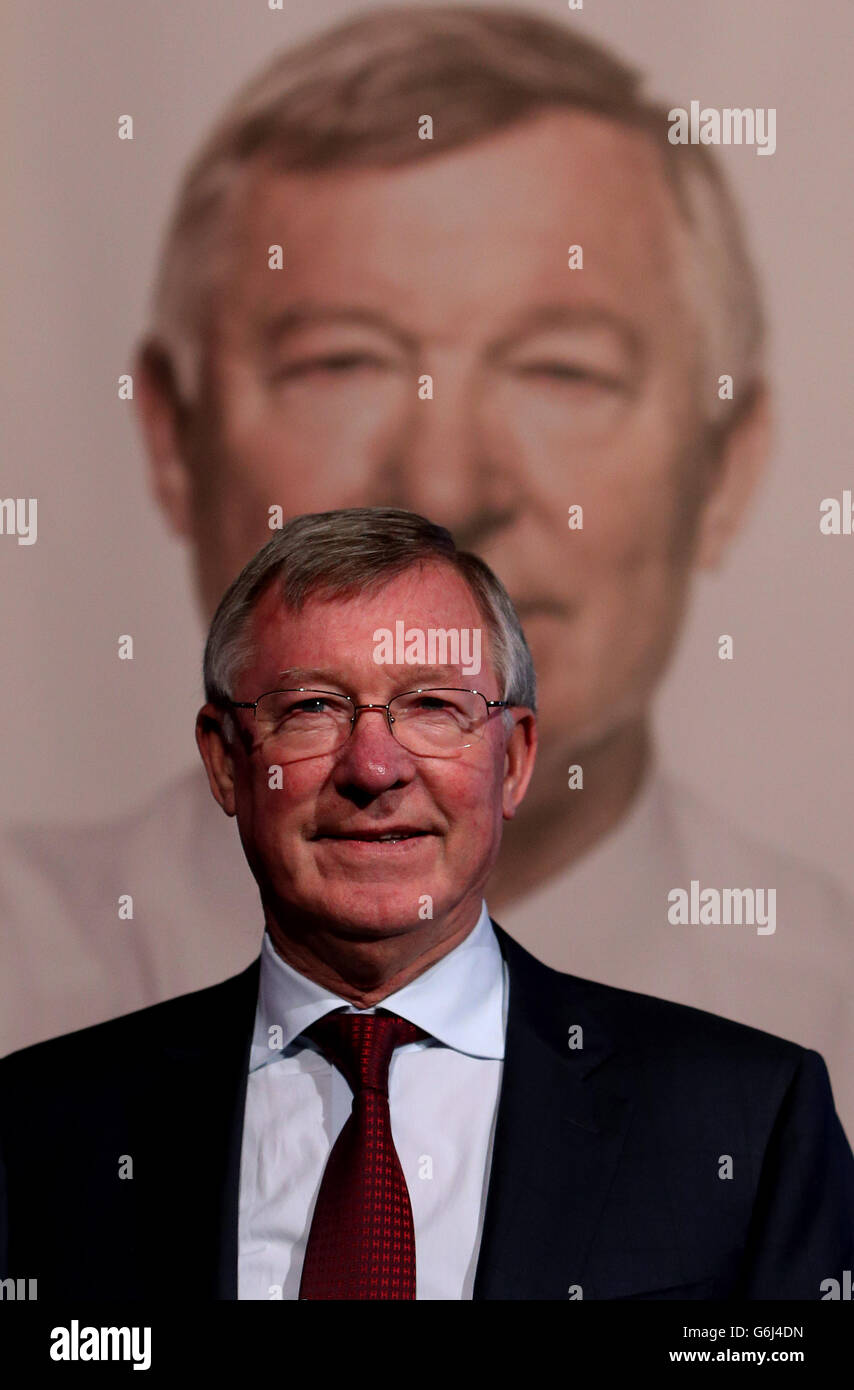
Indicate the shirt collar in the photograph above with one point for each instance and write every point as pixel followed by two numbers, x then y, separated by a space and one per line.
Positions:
pixel 461 1000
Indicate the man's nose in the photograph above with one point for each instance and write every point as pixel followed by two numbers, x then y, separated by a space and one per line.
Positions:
pixel 372 759
pixel 446 461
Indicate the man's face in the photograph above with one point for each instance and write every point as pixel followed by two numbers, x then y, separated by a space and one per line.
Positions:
pixel 312 842
pixel 552 387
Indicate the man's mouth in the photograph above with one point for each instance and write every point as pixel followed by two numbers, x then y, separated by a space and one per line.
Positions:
pixel 393 836
pixel 542 607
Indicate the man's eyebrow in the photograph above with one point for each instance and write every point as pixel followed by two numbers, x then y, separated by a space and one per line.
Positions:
pixel 308 314
pixel 545 317
pixel 539 319
pixel 310 673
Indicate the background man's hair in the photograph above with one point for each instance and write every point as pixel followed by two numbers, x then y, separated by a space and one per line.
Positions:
pixel 352 97
pixel 343 553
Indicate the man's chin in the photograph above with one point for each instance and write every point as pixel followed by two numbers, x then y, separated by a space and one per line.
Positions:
pixel 370 920
pixel 353 908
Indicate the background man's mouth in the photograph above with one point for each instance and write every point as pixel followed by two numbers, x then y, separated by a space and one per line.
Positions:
pixel 542 607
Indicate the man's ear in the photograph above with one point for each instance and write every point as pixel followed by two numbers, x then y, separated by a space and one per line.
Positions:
pixel 216 756
pixel 163 418
pixel 519 757
pixel 733 476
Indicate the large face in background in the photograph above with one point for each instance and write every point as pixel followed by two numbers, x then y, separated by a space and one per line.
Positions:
pixel 552 387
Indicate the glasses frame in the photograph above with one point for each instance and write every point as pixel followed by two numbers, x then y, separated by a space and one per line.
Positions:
pixel 390 720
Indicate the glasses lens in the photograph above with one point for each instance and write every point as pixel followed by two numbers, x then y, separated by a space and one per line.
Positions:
pixel 436 722
pixel 301 723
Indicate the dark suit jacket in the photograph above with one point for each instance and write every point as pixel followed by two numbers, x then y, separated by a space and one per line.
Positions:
pixel 606 1170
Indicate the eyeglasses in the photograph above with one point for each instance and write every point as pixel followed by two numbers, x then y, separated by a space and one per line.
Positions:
pixel 431 723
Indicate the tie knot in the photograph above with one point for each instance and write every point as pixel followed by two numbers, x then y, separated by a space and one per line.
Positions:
pixel 360 1045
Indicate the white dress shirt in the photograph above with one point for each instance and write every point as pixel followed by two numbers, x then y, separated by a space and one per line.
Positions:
pixel 443 1100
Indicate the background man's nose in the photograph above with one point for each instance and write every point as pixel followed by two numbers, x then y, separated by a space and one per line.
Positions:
pixel 446 462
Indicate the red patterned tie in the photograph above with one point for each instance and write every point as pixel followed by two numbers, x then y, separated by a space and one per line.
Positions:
pixel 362 1241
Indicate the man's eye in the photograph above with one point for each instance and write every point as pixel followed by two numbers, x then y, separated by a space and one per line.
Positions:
pixel 314 706
pixel 334 364
pixel 438 709
pixel 570 372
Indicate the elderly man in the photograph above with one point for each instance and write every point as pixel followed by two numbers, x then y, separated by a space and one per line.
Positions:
pixel 396 1100
pixel 431 342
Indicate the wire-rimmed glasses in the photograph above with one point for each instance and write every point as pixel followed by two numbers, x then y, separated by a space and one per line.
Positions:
pixel 437 722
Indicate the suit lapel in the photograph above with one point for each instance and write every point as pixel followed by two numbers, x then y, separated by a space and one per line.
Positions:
pixel 189 1137
pixel 561 1122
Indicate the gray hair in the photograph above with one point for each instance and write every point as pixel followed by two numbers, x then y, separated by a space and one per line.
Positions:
pixel 353 550
pixel 352 96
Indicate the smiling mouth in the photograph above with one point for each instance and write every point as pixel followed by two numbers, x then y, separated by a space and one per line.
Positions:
pixel 386 837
